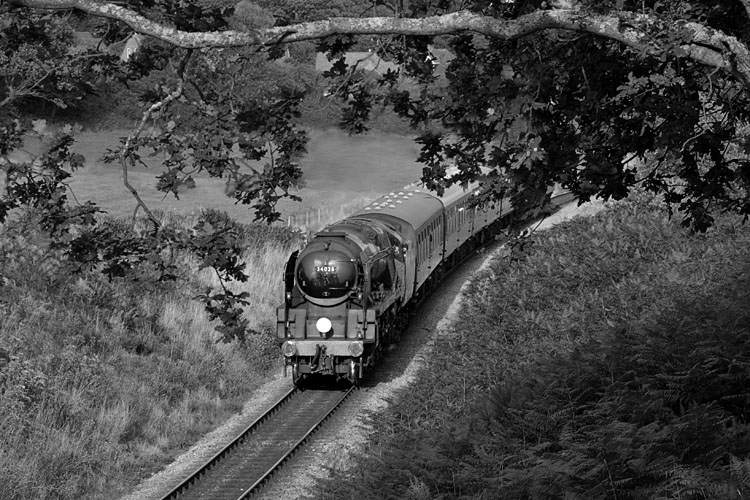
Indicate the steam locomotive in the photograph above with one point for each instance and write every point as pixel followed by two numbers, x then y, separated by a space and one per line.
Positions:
pixel 350 290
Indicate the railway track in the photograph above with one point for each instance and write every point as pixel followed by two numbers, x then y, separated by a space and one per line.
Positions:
pixel 241 468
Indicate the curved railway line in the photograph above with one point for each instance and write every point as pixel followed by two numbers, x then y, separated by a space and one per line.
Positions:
pixel 241 468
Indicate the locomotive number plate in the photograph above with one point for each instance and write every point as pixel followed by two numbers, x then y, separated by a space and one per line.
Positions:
pixel 325 269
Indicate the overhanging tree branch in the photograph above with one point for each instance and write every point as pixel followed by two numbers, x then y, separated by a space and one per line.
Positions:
pixel 706 46
pixel 125 153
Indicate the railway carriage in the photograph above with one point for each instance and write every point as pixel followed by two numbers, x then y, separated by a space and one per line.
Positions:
pixel 349 292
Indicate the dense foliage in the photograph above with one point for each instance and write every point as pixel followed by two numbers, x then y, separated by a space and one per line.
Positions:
pixel 42 65
pixel 583 110
pixel 608 361
pixel 665 86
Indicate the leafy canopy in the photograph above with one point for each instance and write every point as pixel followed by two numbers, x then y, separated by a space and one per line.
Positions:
pixel 598 96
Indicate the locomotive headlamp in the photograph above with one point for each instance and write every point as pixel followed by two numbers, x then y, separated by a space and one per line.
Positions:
pixel 288 349
pixel 356 349
pixel 323 325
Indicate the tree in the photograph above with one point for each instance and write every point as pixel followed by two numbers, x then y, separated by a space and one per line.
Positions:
pixel 539 92
pixel 600 96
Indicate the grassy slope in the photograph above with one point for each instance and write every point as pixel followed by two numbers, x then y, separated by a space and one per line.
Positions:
pixel 109 381
pixel 611 362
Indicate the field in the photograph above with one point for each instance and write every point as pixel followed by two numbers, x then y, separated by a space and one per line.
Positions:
pixel 342 173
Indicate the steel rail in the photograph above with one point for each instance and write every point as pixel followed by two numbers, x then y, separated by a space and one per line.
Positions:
pixel 296 446
pixel 184 485
pixel 213 465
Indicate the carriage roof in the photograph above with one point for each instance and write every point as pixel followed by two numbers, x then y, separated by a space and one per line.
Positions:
pixel 414 205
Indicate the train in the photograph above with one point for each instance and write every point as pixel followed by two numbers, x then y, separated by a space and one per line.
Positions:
pixel 349 292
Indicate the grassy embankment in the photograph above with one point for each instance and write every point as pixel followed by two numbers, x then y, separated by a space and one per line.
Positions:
pixel 612 361
pixel 110 381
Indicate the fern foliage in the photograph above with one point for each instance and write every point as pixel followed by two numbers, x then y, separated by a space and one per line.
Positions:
pixel 612 362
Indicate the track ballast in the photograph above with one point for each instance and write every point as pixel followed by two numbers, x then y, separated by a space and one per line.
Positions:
pixel 241 468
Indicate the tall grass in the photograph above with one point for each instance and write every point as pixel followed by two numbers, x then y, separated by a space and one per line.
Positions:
pixel 108 380
pixel 612 361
